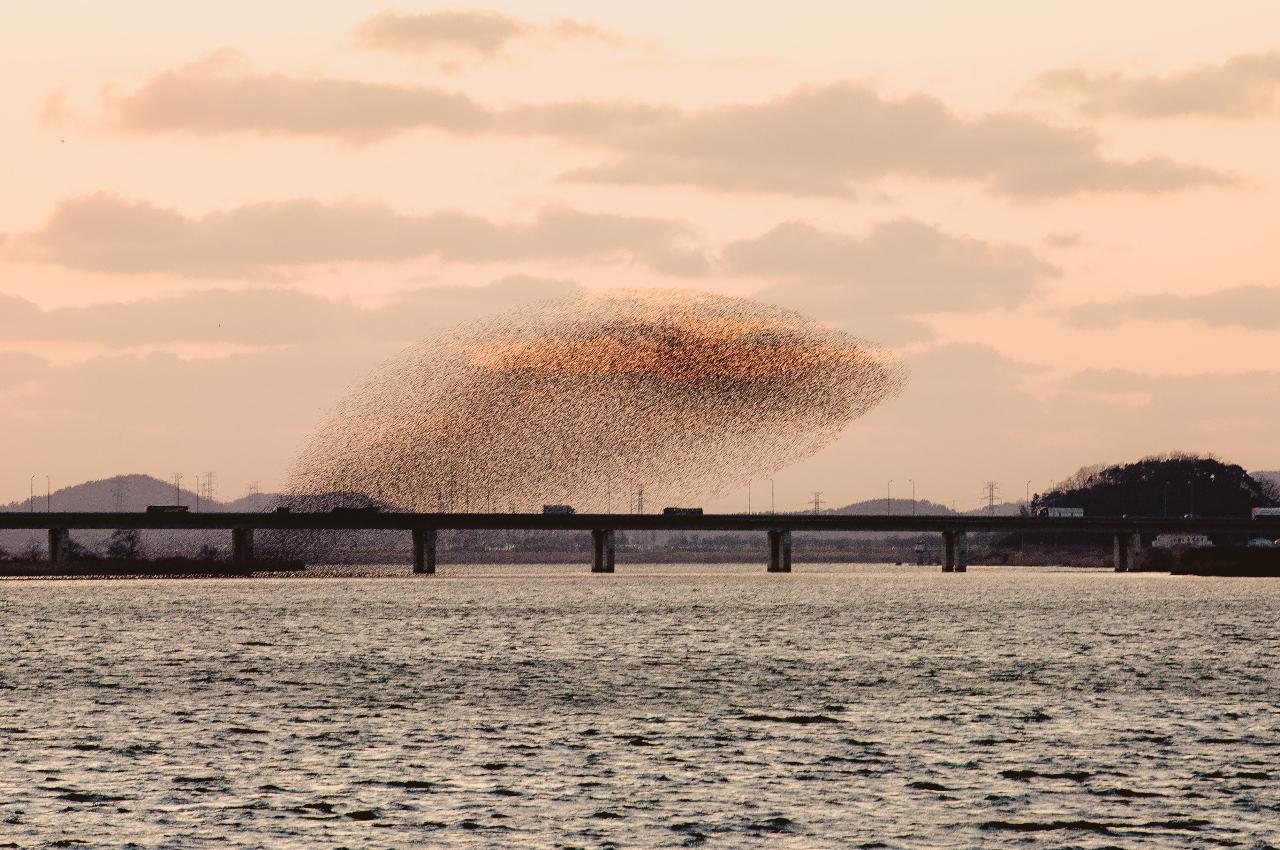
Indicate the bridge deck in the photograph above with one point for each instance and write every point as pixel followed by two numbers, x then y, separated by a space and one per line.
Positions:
pixel 1266 527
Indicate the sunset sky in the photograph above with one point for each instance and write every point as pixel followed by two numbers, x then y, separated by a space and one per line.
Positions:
pixel 1064 217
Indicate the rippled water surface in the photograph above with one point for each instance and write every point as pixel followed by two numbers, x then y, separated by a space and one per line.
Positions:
pixel 661 706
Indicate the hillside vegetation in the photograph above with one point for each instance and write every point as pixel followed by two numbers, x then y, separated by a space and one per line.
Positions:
pixel 1167 485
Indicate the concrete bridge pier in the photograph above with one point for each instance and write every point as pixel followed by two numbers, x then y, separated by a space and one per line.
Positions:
pixel 955 552
pixel 779 551
pixel 59 545
pixel 242 546
pixel 424 551
pixel 1126 546
pixel 602 550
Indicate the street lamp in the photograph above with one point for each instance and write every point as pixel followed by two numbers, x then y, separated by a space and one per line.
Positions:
pixel 48 496
pixel 31 487
pixel 888 498
pixel 771 502
pixel 913 496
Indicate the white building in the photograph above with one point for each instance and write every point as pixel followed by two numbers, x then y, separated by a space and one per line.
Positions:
pixel 1179 541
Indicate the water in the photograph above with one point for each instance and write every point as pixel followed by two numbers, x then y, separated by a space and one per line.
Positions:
pixel 658 707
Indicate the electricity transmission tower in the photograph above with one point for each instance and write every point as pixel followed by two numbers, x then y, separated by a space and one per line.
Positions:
pixel 990 491
pixel 817 501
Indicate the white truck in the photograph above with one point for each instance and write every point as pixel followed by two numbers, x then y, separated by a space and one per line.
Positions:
pixel 1259 513
pixel 1062 513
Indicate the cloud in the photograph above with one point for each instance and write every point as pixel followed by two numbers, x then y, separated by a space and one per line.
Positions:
pixel 106 233
pixel 269 317
pixel 1250 307
pixel 1241 87
pixel 1213 411
pixel 829 140
pixel 17 367
pixel 823 140
pixel 480 33
pixel 900 268
pixel 221 93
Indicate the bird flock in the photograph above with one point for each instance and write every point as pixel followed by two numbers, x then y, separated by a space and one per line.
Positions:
pixel 592 401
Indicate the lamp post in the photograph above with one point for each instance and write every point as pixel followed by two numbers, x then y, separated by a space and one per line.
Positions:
pixel 48 496
pixel 31 487
pixel 888 498
pixel 771 502
pixel 913 496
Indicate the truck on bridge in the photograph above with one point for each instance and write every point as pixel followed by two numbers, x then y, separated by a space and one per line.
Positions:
pixel 1062 513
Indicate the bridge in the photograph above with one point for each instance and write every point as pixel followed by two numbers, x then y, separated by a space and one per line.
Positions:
pixel 424 528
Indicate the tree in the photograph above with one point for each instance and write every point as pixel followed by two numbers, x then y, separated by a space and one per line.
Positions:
pixel 124 544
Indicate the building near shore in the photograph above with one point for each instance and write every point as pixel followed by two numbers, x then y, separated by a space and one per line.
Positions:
pixel 1181 541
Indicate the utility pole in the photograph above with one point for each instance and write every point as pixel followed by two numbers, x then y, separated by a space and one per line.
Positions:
pixel 640 499
pixel 771 502
pixel 748 498
pixel 31 486
pixel 913 496
pixel 817 501
pixel 48 496
pixel 177 488
pixel 888 498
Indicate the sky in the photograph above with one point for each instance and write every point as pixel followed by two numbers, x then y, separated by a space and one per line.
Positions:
pixel 215 217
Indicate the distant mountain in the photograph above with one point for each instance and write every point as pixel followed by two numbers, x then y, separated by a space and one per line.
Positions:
pixel 135 493
pixel 120 493
pixel 922 507
pixel 897 507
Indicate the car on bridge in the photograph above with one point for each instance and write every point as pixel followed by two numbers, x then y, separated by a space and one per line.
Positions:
pixel 682 511
pixel 558 509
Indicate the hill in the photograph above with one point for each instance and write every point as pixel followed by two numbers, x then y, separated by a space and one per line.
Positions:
pixel 1169 485
pixel 119 493
pixel 134 493
pixel 898 507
